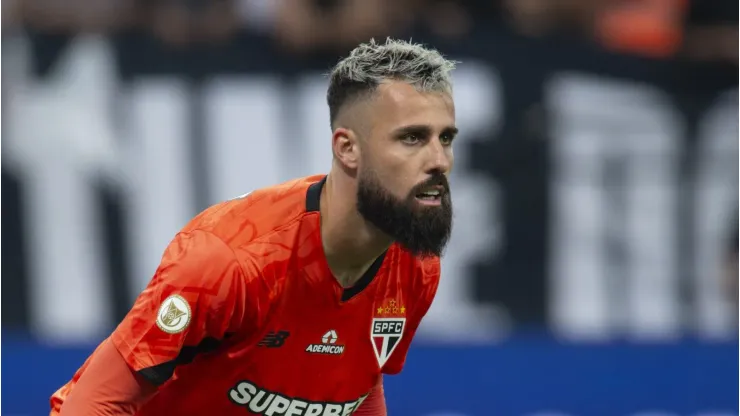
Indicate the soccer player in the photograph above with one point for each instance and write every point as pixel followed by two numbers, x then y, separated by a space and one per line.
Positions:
pixel 296 299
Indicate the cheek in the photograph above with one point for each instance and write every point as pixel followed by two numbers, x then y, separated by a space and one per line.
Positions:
pixel 388 163
pixel 403 186
pixel 396 179
pixel 396 167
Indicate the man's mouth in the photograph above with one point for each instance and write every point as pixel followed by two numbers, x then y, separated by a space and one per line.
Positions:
pixel 431 195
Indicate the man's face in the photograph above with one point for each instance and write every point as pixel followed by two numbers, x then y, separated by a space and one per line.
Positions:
pixel 405 160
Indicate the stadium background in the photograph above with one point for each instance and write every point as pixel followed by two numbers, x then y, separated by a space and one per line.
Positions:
pixel 593 266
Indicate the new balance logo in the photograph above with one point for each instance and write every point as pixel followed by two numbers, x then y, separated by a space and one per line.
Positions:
pixel 328 345
pixel 274 339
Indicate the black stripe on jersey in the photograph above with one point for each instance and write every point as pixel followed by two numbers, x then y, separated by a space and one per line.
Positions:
pixel 160 373
pixel 365 280
pixel 313 196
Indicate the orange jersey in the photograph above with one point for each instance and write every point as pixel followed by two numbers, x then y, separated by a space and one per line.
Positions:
pixel 243 315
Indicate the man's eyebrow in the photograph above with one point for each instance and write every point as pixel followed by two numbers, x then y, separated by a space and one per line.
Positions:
pixel 423 130
pixel 451 130
pixel 420 129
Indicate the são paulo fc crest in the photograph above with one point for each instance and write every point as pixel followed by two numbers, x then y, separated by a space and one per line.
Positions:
pixel 386 332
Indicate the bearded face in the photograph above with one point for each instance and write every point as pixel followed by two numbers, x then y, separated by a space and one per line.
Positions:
pixel 421 221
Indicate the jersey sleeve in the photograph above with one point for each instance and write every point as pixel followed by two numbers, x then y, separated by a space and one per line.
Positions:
pixel 196 299
pixel 107 386
pixel 427 282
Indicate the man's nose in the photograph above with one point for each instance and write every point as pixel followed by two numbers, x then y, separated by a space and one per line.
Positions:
pixel 439 157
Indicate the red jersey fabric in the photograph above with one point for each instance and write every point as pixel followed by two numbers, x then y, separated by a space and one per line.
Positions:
pixel 243 315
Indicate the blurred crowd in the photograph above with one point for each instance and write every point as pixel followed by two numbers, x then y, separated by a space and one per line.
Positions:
pixel 696 29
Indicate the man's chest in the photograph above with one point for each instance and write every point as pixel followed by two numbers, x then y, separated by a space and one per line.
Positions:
pixel 306 361
pixel 308 358
pixel 337 349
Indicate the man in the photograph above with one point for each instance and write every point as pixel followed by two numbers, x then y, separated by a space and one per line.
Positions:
pixel 295 299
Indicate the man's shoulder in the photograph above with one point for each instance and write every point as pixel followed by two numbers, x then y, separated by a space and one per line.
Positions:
pixel 248 217
pixel 233 234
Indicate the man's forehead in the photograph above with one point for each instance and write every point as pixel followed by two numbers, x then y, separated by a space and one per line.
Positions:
pixel 400 100
pixel 399 92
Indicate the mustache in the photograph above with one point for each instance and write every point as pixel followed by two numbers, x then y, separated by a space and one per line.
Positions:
pixel 438 179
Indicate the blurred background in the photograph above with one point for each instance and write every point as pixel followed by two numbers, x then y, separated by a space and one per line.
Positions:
pixel 593 268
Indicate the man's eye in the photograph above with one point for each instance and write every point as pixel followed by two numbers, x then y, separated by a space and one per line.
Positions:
pixel 446 139
pixel 410 138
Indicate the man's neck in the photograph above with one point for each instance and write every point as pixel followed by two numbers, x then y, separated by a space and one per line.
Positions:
pixel 351 244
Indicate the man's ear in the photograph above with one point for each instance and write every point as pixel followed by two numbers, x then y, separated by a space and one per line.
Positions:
pixel 346 147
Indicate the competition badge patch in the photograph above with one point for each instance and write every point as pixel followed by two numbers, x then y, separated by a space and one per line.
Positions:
pixel 174 315
pixel 387 330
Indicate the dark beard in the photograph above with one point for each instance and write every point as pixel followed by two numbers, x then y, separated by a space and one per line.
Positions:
pixel 422 230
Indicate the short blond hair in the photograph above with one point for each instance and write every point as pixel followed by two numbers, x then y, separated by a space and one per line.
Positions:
pixel 372 63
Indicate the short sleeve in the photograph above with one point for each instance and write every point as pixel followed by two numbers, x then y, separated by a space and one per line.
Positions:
pixel 427 284
pixel 196 298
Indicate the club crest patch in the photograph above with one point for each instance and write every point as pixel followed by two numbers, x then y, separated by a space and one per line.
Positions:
pixel 386 331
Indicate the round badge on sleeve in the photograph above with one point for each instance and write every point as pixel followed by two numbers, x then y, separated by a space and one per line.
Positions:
pixel 174 315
